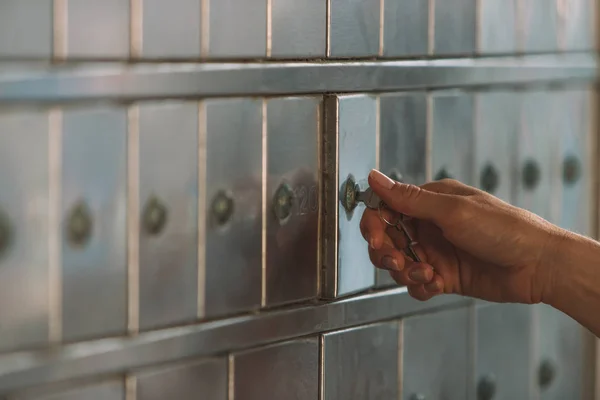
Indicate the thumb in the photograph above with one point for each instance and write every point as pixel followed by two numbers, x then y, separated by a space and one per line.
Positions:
pixel 412 200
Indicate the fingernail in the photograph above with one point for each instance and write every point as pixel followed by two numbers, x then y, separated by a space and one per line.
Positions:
pixel 381 179
pixel 433 287
pixel 389 263
pixel 421 275
pixel 371 242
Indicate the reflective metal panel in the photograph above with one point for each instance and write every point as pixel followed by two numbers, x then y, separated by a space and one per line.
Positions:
pixel 503 352
pixel 233 205
pixel 24 213
pixel 206 379
pixel 455 27
pixel 497 26
pixel 539 25
pixel 293 127
pixel 436 355
pixel 237 28
pixel 299 28
pixel 354 28
pixel 406 28
pixel 98 29
pixel 283 371
pixel 168 258
pixel 496 143
pixel 111 390
pixel 403 144
pixel 26 28
pixel 452 142
pixel 94 258
pixel 350 147
pixel 577 19
pixel 171 29
pixel 362 363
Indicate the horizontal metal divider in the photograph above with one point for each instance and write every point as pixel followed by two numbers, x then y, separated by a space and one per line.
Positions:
pixel 129 82
pixel 120 355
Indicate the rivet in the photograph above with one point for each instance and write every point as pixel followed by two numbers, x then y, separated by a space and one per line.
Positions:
pixel 546 373
pixel 571 170
pixel 222 207
pixel 155 216
pixel 443 174
pixel 531 174
pixel 79 224
pixel 486 388
pixel 5 233
pixel 283 202
pixel 349 193
pixel 489 179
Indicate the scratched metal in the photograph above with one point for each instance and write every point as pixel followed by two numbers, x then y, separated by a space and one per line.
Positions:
pixel 299 28
pixel 455 27
pixel 406 28
pixel 354 28
pixel 497 27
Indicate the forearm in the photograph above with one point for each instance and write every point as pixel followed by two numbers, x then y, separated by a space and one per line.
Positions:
pixel 575 284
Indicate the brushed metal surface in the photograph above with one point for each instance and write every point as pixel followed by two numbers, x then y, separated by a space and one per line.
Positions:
pixel 299 28
pixel 101 81
pixel 455 27
pixel 237 29
pixel 504 347
pixel 171 29
pixel 362 363
pixel 402 144
pixel 436 355
pixel 406 28
pixel 168 171
pixel 24 201
pixel 353 28
pixel 97 29
pixel 26 29
pixel 497 124
pixel 578 20
pixel 497 27
pixel 94 170
pixel 287 370
pixel 453 135
pixel 109 390
pixel 539 26
pixel 233 263
pixel 293 134
pixel 351 150
pixel 204 379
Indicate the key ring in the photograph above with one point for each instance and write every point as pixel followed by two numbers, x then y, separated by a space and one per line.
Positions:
pixel 410 251
pixel 394 225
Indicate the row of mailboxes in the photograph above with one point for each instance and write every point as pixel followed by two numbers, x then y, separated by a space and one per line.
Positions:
pixel 153 29
pixel 99 217
pixel 484 353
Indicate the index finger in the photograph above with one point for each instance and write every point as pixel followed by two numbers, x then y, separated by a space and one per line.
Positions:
pixel 373 228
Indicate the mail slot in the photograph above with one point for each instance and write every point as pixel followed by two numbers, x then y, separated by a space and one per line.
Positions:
pixel 26 28
pixel 455 27
pixel 354 28
pixel 406 28
pixel 298 28
pixel 497 28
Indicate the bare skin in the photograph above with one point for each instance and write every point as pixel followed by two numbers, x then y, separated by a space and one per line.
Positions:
pixel 473 244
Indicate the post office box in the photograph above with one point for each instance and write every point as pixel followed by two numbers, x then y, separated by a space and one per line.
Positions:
pixel 233 220
pixel 351 150
pixel 539 160
pixel 436 355
pixel 237 29
pixel 455 27
pixel 205 379
pixel 26 28
pixel 168 195
pixel 497 132
pixel 453 134
pixel 406 28
pixel 288 370
pixel 97 29
pixel 353 28
pixel 577 18
pixel 402 144
pixel 171 29
pixel 497 27
pixel 362 363
pixel 293 126
pixel 298 28
pixel 539 23
pixel 109 390
pixel 94 227
pixel 503 364
pixel 24 230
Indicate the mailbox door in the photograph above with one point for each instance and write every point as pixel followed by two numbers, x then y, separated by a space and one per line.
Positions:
pixel 299 28
pixel 26 29
pixel 354 28
pixel 455 27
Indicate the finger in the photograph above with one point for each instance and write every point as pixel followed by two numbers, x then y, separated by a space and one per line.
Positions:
pixel 373 228
pixel 450 186
pixel 388 258
pixel 418 292
pixel 436 286
pixel 414 273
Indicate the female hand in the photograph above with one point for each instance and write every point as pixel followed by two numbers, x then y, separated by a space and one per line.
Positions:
pixel 470 242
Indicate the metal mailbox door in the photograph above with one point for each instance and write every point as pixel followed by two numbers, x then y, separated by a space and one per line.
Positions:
pixel 577 19
pixel 298 28
pixel 362 363
pixel 350 147
pixel 108 390
pixel 539 26
pixel 293 134
pixel 94 227
pixel 497 27
pixel 26 29
pixel 354 27
pixel 455 27
pixel 406 28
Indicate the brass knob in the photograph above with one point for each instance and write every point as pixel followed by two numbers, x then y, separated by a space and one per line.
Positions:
pixel 222 208
pixel 283 202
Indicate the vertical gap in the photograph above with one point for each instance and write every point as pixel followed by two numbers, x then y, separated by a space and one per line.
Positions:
pixel 130 387
pixel 322 367
pixel 429 138
pixel 478 26
pixel 269 26
pixel 381 27
pixel 400 358
pixel 136 28
pixel 231 377
pixel 60 22
pixel 319 139
pixel 336 211
pixel 263 297
pixel 201 208
pixel 133 239
pixel 561 22
pixel 431 27
pixel 520 21
pixel 377 130
pixel 205 28
pixel 54 216
pixel 328 29
pixel 594 133
pixel 472 334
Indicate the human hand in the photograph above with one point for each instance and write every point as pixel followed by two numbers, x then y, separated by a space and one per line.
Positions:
pixel 470 242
